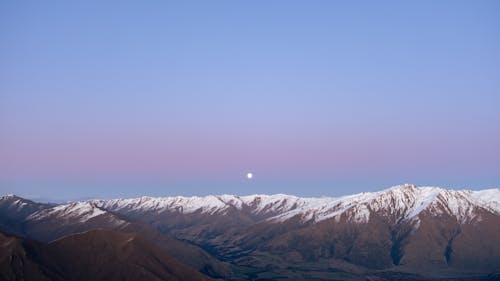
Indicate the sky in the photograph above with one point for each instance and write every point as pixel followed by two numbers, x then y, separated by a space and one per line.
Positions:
pixel 128 98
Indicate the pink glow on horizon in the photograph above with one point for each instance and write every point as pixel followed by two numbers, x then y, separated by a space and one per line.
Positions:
pixel 218 157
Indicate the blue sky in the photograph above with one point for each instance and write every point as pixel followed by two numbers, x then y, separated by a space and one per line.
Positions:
pixel 316 98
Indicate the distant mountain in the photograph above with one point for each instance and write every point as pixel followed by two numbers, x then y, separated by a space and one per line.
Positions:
pixel 14 210
pixel 405 232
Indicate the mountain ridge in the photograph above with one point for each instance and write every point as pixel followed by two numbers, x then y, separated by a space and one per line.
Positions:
pixel 423 233
pixel 402 202
pixel 282 206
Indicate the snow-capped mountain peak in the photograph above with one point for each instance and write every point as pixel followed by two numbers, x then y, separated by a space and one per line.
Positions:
pixel 404 202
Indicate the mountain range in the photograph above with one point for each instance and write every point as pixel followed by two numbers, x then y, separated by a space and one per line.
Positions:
pixel 400 233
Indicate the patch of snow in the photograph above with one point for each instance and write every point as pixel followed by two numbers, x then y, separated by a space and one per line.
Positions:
pixel 272 203
pixel 426 196
pixel 21 206
pixel 208 204
pixel 489 198
pixel 83 211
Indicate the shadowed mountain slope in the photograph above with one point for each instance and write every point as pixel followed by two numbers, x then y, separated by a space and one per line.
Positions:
pixel 94 255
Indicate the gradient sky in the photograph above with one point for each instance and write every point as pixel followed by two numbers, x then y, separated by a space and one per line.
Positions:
pixel 120 99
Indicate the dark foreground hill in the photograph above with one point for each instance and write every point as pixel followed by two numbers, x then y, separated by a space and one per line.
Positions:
pixel 94 255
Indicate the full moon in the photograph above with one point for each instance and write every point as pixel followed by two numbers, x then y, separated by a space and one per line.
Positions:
pixel 249 175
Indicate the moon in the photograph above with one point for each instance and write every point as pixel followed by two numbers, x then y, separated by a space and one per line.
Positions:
pixel 249 176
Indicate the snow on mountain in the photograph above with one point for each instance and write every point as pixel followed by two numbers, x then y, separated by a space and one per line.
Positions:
pixel 488 197
pixel 212 204
pixel 403 202
pixel 277 203
pixel 81 211
pixel 208 204
pixel 14 208
pixel 14 202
